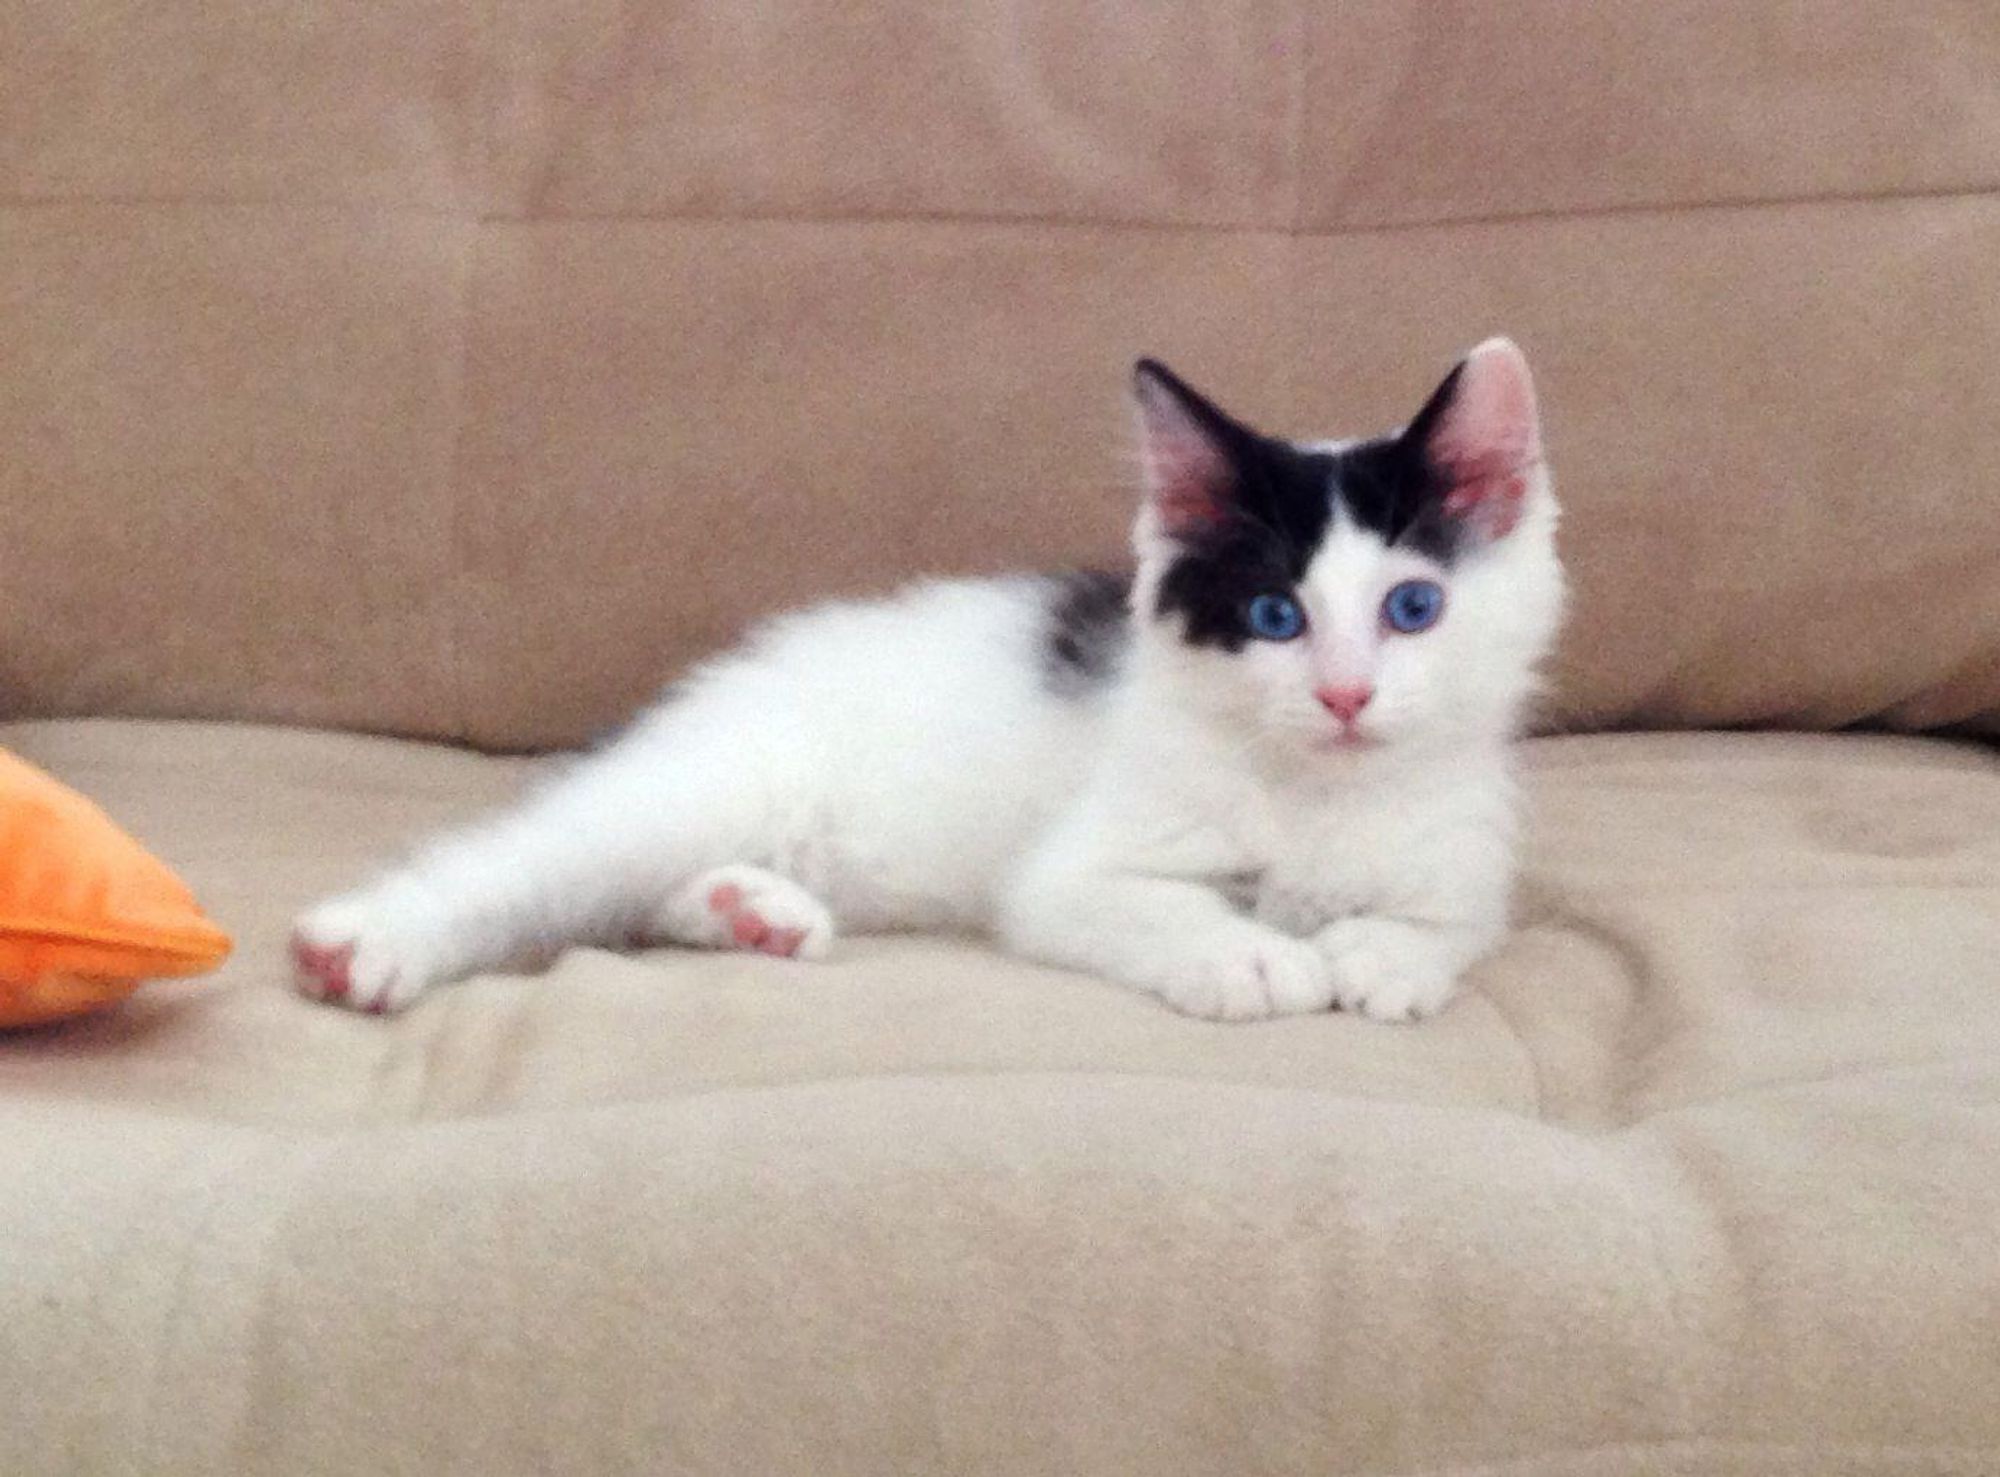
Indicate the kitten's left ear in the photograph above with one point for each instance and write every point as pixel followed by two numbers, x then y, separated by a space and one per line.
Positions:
pixel 1481 437
pixel 1185 442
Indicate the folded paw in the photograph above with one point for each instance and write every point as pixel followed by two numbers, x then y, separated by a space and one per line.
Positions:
pixel 1244 972
pixel 1385 969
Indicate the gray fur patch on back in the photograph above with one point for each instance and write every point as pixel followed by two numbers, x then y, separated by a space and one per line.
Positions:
pixel 1088 628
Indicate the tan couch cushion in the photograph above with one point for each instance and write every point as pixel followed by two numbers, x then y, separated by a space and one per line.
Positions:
pixel 466 369
pixel 1699 1177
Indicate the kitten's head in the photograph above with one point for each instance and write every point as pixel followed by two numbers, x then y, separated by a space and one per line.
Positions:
pixel 1351 595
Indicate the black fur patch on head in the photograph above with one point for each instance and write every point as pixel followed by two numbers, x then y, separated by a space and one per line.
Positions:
pixel 1278 505
pixel 1088 627
pixel 1387 487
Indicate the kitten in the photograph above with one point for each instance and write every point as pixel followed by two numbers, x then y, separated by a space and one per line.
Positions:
pixel 1268 773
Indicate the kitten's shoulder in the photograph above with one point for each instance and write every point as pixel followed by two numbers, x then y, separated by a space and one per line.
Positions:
pixel 1087 627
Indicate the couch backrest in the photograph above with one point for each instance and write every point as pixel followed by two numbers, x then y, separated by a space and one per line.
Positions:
pixel 464 369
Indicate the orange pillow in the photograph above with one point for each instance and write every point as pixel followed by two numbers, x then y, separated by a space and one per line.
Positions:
pixel 86 913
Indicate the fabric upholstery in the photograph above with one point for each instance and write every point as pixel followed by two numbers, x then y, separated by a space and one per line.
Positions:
pixel 1696 1178
pixel 466 370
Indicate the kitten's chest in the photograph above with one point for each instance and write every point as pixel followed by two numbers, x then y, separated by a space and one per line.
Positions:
pixel 1331 861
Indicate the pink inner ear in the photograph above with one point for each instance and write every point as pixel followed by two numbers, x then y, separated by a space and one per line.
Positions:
pixel 1489 438
pixel 1492 502
pixel 1186 506
pixel 1185 475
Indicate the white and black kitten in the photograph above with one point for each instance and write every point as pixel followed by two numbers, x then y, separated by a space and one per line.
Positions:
pixel 1267 773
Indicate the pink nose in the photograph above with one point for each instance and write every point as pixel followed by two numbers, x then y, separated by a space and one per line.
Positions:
pixel 1345 703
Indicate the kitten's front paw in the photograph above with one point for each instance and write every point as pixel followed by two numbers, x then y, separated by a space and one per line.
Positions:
pixel 1385 969
pixel 363 953
pixel 1246 973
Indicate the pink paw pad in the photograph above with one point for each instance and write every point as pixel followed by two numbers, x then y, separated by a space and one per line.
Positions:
pixel 326 967
pixel 750 929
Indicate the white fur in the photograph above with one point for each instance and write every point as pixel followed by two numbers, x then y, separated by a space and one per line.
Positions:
pixel 903 763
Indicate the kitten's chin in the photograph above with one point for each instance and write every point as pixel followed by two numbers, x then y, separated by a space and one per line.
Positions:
pixel 1311 739
pixel 1345 741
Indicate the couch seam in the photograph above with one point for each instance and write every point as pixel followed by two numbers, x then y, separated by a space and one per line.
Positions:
pixel 1862 1072
pixel 451 625
pixel 1030 219
pixel 1300 49
pixel 451 636
pixel 1537 1085
pixel 425 1118
pixel 953 1075
pixel 1536 1465
pixel 1290 236
pixel 420 1121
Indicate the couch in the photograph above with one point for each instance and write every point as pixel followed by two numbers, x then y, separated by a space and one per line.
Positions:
pixel 393 397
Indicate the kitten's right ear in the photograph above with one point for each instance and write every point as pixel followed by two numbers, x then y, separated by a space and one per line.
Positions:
pixel 1183 441
pixel 1481 436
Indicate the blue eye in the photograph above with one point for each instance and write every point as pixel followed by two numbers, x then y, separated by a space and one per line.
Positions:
pixel 1413 606
pixel 1275 618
